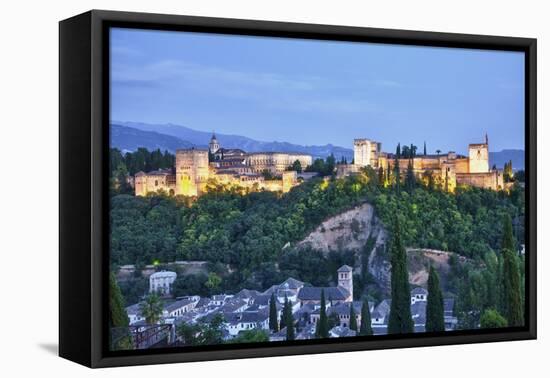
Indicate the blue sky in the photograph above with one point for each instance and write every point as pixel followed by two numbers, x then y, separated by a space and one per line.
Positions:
pixel 318 92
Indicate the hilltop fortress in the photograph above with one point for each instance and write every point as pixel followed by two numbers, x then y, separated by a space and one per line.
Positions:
pixel 196 167
pixel 450 168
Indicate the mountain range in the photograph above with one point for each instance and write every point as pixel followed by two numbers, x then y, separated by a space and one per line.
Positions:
pixel 128 136
pixel 202 138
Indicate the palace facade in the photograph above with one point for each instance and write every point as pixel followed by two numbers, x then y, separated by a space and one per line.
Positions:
pixel 451 168
pixel 196 168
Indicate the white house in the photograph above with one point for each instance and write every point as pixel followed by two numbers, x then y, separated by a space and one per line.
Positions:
pixel 180 307
pixel 161 282
pixel 134 314
pixel 246 321
pixel 418 294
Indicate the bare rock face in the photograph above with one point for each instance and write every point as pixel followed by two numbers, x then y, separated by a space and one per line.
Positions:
pixel 346 231
pixel 358 230
pixel 361 231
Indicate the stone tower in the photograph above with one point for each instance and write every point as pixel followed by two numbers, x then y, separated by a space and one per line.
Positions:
pixel 191 171
pixel 365 152
pixel 479 157
pixel 214 146
pixel 345 278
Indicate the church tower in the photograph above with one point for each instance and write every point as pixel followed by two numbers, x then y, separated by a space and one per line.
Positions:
pixel 214 146
pixel 345 279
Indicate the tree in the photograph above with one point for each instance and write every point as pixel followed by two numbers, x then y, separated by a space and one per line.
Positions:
pixel 435 321
pixel 508 241
pixel 396 170
pixel 151 308
pixel 400 320
pixel 406 152
pixel 251 336
pixel 425 149
pixel 508 172
pixel 120 179
pixel 438 152
pixel 297 166
pixel 289 320
pixel 492 319
pixel 410 180
pixel 365 329
pixel 212 332
pixel 322 329
pixel 118 318
pixel 512 303
pixel 273 321
pixel 512 289
pixel 213 281
pixel 352 318
pixel 330 164
pixel 202 333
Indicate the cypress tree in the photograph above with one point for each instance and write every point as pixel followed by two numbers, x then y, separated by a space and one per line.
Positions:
pixel 400 320
pixel 322 325
pixel 508 241
pixel 273 322
pixel 396 169
pixel 289 320
pixel 366 328
pixel 352 318
pixel 283 317
pixel 425 149
pixel 512 304
pixel 410 179
pixel 435 321
pixel 118 318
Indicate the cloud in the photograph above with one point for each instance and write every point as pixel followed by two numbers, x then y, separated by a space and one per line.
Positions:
pixel 192 73
pixel 296 93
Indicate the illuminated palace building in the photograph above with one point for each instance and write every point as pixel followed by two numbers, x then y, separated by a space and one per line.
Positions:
pixel 195 168
pixel 449 169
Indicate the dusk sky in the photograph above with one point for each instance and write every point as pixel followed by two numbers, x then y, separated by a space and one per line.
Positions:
pixel 318 92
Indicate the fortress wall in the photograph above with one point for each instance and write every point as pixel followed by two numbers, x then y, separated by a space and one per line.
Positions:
pixel 489 180
pixel 462 165
pixel 153 183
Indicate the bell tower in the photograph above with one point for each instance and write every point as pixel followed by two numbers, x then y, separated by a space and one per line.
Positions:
pixel 213 146
pixel 345 278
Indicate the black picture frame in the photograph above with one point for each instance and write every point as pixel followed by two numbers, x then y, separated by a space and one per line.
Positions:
pixel 83 195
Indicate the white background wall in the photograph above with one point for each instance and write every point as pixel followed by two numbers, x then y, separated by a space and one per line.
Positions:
pixel 29 215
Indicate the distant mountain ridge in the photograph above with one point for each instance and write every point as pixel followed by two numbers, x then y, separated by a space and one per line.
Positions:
pixel 516 156
pixel 202 138
pixel 130 139
pixel 128 136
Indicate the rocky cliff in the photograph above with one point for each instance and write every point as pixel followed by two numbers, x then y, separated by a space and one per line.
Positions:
pixel 361 231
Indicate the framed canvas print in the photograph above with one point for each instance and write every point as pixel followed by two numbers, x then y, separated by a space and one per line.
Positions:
pixel 235 188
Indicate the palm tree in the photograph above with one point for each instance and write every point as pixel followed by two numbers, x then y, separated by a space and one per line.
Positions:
pixel 438 152
pixel 151 308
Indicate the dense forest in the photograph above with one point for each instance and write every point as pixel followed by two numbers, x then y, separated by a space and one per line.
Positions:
pixel 248 240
